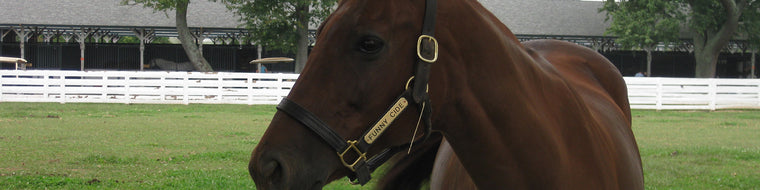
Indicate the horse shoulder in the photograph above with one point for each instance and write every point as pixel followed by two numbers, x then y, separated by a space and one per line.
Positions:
pixel 601 87
pixel 586 69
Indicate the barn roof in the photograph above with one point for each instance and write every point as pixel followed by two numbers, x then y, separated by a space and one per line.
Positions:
pixel 202 13
pixel 527 17
pixel 110 15
pixel 550 17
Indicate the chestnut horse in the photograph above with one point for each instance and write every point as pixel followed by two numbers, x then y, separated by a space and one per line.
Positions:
pixel 514 117
pixel 593 77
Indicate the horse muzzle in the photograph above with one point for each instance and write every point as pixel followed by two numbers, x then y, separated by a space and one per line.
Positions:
pixel 273 170
pixel 279 168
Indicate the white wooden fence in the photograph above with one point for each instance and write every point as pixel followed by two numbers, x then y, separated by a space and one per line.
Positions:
pixel 259 88
pixel 143 87
pixel 692 94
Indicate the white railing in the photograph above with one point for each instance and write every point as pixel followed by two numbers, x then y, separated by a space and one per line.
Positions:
pixel 259 88
pixel 691 94
pixel 144 87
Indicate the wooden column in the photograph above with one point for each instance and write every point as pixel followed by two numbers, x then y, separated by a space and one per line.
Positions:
pixel 3 33
pixel 145 36
pixel 258 50
pixel 25 35
pixel 81 36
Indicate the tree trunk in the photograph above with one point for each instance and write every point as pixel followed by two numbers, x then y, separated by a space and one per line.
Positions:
pixel 709 43
pixel 302 44
pixel 752 71
pixel 706 62
pixel 649 60
pixel 186 38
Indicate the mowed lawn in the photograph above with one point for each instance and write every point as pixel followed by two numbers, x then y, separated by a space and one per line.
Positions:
pixel 117 146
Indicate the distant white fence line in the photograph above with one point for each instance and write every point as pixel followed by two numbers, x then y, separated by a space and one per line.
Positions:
pixel 262 88
pixel 144 87
pixel 693 94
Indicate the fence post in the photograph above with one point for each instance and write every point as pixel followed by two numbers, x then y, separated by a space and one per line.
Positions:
pixel 219 87
pixel 1 81
pixel 104 95
pixel 712 93
pixel 758 93
pixel 185 88
pixel 162 89
pixel 62 86
pixel 658 103
pixel 126 90
pixel 46 86
pixel 281 83
pixel 249 87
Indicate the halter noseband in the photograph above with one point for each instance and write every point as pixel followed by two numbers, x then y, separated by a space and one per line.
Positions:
pixel 427 53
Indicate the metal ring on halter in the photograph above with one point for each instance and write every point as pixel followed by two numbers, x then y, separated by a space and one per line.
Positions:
pixel 410 81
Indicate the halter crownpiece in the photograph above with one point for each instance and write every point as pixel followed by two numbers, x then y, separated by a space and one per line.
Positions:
pixel 361 165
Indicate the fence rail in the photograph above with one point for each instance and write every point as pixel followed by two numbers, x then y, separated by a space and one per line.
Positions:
pixel 693 94
pixel 144 87
pixel 258 88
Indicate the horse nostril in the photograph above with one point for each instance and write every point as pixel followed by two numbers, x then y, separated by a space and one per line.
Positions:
pixel 272 170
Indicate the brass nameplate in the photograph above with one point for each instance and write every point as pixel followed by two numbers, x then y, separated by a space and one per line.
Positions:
pixel 386 121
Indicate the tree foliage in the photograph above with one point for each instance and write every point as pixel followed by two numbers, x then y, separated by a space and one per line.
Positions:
pixel 282 24
pixel 274 24
pixel 750 24
pixel 711 23
pixel 183 31
pixel 643 23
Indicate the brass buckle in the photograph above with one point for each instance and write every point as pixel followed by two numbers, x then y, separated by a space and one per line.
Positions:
pixel 352 146
pixel 419 48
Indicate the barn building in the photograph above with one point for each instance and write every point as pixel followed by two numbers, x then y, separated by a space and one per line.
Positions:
pixel 89 35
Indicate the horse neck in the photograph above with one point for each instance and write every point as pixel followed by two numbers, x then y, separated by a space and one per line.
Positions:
pixel 481 57
pixel 494 95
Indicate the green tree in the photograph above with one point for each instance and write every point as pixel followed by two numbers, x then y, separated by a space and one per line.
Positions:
pixel 282 24
pixel 712 24
pixel 183 31
pixel 644 24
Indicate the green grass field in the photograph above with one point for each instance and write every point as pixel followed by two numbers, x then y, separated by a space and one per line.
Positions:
pixel 117 146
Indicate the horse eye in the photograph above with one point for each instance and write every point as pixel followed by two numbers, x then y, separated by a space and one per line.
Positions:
pixel 370 45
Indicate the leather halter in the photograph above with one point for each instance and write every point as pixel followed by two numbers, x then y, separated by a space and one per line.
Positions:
pixel 427 53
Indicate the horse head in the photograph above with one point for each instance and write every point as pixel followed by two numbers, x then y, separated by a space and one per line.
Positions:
pixel 546 116
pixel 360 69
